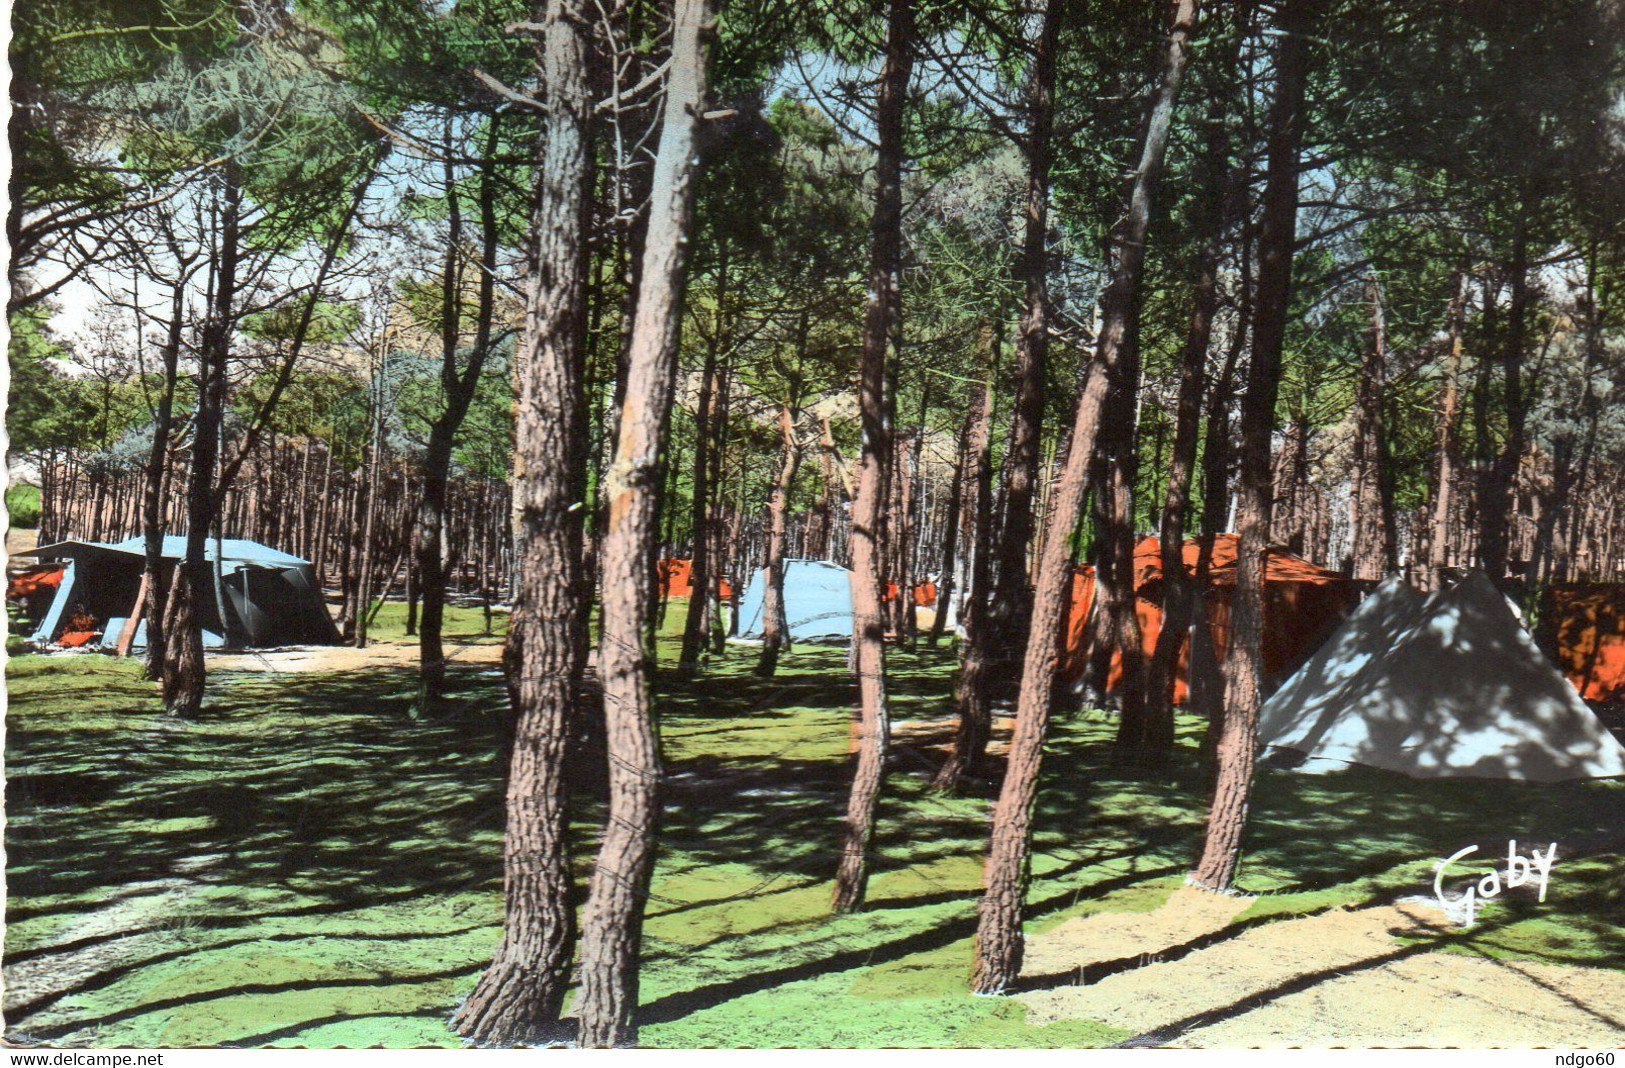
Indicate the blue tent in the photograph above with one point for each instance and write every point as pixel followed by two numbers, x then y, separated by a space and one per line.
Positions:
pixel 817 601
pixel 267 597
pixel 236 553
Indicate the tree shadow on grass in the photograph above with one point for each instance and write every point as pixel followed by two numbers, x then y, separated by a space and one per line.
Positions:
pixel 308 797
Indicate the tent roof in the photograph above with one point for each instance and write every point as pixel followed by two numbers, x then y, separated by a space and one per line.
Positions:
pixel 59 549
pixel 817 601
pixel 1279 565
pixel 237 550
pixel 1439 685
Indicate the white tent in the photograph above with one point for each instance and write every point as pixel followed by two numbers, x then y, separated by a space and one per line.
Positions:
pixel 817 601
pixel 1440 685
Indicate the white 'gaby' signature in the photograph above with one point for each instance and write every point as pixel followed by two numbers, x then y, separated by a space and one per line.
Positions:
pixel 1519 870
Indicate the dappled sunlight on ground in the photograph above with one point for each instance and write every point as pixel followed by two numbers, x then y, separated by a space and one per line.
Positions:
pixel 308 865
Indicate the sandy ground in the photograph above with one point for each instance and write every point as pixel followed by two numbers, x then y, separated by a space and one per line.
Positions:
pixel 1340 978
pixel 21 541
pixel 348 658
pixel 938 734
pixel 1106 940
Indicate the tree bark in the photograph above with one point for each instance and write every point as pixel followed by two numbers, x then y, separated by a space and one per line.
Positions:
pixel 1236 744
pixel 702 584
pixel 184 671
pixel 1178 593
pixel 1118 628
pixel 999 940
pixel 1008 608
pixel 868 638
pixel 458 388
pixel 972 436
pixel 369 523
pixel 970 737
pixel 1375 554
pixel 775 628
pixel 1496 497
pixel 152 501
pixel 1439 540
pixel 518 997
pixel 612 924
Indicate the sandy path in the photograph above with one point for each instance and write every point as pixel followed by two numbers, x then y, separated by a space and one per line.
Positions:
pixel 1113 939
pixel 1340 978
pixel 348 658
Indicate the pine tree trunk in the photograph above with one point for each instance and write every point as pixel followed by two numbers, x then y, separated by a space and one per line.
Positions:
pixel 1237 742
pixel 999 941
pixel 184 671
pixel 702 584
pixel 458 388
pixel 520 993
pixel 775 627
pixel 1011 600
pixel 964 461
pixel 1178 593
pixel 868 583
pixel 1372 517
pixel 970 737
pixel 1118 628
pixel 612 923
pixel 1496 496
pixel 1444 487
pixel 365 576
pixel 152 504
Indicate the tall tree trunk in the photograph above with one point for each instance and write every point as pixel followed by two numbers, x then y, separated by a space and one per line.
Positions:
pixel 1372 516
pixel 1556 549
pixel 1178 591
pixel 365 579
pixel 612 924
pixel 999 940
pixel 1497 497
pixel 1204 674
pixel 775 628
pixel 1235 749
pixel 722 543
pixel 970 737
pixel 518 997
pixel 868 637
pixel 995 647
pixel 1007 613
pixel 152 502
pixel 702 584
pixel 972 436
pixel 458 388
pixel 1118 632
pixel 184 671
pixel 1444 487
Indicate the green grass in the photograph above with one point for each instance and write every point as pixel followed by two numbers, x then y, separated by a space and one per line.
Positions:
pixel 307 865
pixel 22 505
pixel 463 624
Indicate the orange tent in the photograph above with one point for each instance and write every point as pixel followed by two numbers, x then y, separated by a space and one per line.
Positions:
pixel 1303 603
pixel 33 580
pixel 676 580
pixel 925 593
pixel 1582 628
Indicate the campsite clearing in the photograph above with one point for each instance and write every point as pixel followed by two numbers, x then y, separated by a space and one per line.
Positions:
pixel 306 865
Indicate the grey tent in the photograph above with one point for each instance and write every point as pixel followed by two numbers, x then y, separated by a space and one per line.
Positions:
pixel 1437 685
pixel 817 601
pixel 269 597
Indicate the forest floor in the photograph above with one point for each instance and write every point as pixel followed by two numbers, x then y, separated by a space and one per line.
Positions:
pixel 306 864
pixel 389 646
